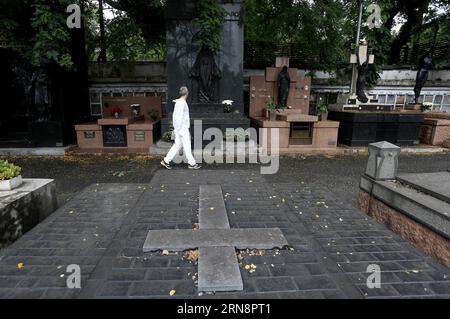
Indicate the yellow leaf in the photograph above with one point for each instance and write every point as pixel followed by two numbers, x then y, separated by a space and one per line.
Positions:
pixel 172 292
pixel 20 265
pixel 165 252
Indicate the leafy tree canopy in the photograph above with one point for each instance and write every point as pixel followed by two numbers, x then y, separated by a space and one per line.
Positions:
pixel 323 29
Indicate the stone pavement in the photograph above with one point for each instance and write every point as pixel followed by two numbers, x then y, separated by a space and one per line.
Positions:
pixel 103 230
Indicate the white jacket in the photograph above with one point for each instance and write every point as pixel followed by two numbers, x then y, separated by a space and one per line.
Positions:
pixel 181 119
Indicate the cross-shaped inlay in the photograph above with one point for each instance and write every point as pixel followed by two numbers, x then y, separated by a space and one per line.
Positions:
pixel 218 268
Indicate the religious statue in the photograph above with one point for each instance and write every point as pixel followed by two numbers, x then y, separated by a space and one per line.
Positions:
pixel 35 87
pixel 363 70
pixel 41 102
pixel 206 72
pixel 422 75
pixel 283 82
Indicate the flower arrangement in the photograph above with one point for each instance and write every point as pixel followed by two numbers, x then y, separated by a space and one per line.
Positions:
pixel 135 109
pixel 427 106
pixel 272 108
pixel 227 106
pixel 169 135
pixel 321 109
pixel 8 170
pixel 116 111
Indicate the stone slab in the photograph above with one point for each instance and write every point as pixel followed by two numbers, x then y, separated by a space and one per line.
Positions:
pixel 298 118
pixel 425 209
pixel 241 238
pixel 35 151
pixel 23 208
pixel 435 184
pixel 218 270
pixel 212 211
pixel 114 266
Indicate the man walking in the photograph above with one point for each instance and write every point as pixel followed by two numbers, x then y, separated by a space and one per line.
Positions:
pixel 181 124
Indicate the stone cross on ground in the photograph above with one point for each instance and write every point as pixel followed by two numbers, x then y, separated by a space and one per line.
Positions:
pixel 362 52
pixel 218 268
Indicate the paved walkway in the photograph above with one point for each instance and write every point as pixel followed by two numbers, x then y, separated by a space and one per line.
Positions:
pixel 104 227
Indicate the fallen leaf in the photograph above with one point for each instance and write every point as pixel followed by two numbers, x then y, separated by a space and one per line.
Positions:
pixel 172 292
pixel 165 252
pixel 20 265
pixel 191 255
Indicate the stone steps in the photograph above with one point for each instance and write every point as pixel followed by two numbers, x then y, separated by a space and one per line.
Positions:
pixel 436 185
pixel 162 148
pixel 418 204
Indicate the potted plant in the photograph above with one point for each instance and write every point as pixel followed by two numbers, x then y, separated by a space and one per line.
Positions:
pixel 116 111
pixel 321 110
pixel 227 106
pixel 135 109
pixel 169 135
pixel 427 106
pixel 153 114
pixel 9 176
pixel 271 109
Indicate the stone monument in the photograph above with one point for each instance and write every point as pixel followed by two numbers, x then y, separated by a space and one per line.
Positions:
pixel 363 120
pixel 211 78
pixel 284 82
pixel 422 76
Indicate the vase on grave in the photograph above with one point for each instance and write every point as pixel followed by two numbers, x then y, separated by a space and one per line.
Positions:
pixel 323 116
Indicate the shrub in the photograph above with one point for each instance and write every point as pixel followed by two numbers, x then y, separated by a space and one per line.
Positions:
pixel 8 170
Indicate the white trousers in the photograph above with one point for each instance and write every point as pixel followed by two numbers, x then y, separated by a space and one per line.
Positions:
pixel 182 140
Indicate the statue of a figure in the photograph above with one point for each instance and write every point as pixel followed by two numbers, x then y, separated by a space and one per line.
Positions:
pixel 284 82
pixel 36 90
pixel 422 75
pixel 41 104
pixel 206 72
pixel 363 70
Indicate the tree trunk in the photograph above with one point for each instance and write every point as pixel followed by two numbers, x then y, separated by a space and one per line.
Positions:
pixel 414 12
pixel 101 19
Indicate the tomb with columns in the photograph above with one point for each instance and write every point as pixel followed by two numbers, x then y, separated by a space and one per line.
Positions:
pixel 298 130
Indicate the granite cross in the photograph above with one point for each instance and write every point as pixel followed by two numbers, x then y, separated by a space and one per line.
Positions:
pixel 218 268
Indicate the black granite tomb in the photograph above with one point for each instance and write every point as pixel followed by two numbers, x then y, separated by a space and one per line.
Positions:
pixel 360 128
pixel 185 57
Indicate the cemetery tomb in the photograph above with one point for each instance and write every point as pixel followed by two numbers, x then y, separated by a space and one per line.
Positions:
pixel 297 129
pixel 135 128
pixel 210 77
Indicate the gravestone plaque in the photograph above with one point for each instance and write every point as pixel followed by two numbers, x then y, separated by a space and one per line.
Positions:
pixel 114 136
